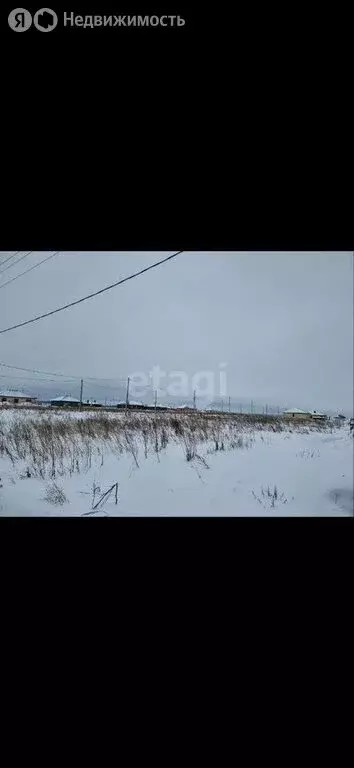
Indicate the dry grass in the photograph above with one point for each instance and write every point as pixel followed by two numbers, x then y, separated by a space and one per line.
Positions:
pixel 55 495
pixel 53 446
pixel 269 499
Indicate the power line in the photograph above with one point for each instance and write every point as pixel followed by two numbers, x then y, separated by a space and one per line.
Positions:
pixel 91 295
pixel 99 378
pixel 62 375
pixel 29 270
pixel 34 370
pixel 67 380
pixel 89 384
pixel 120 381
pixel 15 262
pixel 12 256
pixel 26 378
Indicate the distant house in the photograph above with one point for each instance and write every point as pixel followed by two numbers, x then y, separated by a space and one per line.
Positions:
pixel 133 405
pixel 65 400
pixel 13 397
pixel 184 408
pixel 296 413
pixel 318 416
pixel 339 420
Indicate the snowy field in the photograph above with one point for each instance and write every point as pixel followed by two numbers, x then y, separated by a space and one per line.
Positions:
pixel 190 465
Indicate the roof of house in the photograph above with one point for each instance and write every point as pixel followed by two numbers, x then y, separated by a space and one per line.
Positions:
pixel 317 413
pixel 14 393
pixel 121 403
pixel 64 399
pixel 295 410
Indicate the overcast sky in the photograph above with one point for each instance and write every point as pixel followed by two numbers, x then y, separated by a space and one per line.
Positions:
pixel 281 322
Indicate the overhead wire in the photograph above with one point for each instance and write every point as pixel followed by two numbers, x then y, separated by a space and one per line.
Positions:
pixel 52 373
pixel 68 377
pixel 91 295
pixel 120 381
pixel 24 378
pixel 2 285
pixel 15 262
pixel 12 256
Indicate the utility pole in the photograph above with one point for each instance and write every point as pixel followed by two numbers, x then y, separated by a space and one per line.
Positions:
pixel 81 391
pixel 194 400
pixel 278 410
pixel 127 396
pixel 222 406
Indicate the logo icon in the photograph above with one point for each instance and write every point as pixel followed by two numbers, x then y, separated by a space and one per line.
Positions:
pixel 20 20
pixel 45 20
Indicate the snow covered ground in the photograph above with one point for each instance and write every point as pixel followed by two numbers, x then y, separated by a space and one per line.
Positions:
pixel 267 474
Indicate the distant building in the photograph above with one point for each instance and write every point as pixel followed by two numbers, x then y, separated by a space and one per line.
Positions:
pixel 13 397
pixel 318 416
pixel 296 413
pixel 133 405
pixel 184 408
pixel 65 400
pixel 339 420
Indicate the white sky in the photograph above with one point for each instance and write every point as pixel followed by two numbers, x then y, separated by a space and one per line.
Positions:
pixel 282 322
